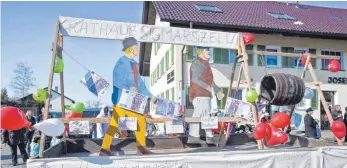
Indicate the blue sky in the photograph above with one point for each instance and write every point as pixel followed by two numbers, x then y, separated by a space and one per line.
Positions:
pixel 28 31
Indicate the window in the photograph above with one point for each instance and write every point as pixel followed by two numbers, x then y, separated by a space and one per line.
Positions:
pixel 162 65
pixel 189 105
pixel 172 54
pixel 170 77
pixel 167 59
pixel 155 75
pixel 50 106
pixel 250 56
pixel 189 53
pixel 221 103
pixel 314 100
pixel 281 16
pixel 272 60
pixel 173 94
pixel 208 8
pixel 220 56
pixel 325 62
pixel 288 62
pixel 313 52
pixel 261 58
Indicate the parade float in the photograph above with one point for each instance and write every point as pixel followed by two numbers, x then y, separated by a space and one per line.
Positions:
pixel 276 89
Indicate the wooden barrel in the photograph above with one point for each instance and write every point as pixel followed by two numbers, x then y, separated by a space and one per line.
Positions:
pixel 282 89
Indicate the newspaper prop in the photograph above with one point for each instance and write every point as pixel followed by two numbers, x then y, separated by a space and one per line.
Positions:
pixel 238 108
pixel 174 127
pixel 133 101
pixel 95 84
pixel 208 122
pixel 214 106
pixel 79 127
pixel 166 108
pixel 127 123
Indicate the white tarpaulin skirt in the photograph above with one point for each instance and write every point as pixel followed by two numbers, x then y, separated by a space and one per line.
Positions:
pixel 323 157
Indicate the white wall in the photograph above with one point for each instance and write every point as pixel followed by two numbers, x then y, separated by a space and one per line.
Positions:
pixel 56 102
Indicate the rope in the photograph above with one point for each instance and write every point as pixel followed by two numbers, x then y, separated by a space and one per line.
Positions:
pixel 263 62
pixel 77 61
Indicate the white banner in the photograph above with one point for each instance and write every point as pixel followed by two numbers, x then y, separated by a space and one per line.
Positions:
pixel 80 27
pixel 95 83
pixel 325 157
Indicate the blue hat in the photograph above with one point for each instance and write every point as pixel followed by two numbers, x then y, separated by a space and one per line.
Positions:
pixel 201 47
pixel 309 110
pixel 128 42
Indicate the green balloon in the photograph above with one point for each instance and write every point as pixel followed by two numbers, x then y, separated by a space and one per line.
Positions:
pixel 58 65
pixel 67 107
pixel 78 108
pixel 40 95
pixel 251 95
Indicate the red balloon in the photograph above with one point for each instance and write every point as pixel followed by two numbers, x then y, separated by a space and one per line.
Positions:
pixel 13 118
pixel 75 115
pixel 277 137
pixel 248 38
pixel 280 120
pixel 257 136
pixel 303 60
pixel 334 66
pixel 339 129
pixel 263 130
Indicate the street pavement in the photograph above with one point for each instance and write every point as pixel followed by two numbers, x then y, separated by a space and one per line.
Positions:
pixel 6 159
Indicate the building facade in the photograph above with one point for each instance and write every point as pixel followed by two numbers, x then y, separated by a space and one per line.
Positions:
pixel 170 64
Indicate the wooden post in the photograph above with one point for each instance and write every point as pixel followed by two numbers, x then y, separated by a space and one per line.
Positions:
pixel 229 91
pixel 322 98
pixel 50 82
pixel 248 79
pixel 302 77
pixel 236 90
pixel 62 93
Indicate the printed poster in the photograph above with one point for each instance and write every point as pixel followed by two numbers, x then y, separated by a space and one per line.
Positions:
pixel 174 127
pixel 133 101
pixel 166 108
pixel 95 83
pixel 127 123
pixel 79 128
pixel 238 108
pixel 208 122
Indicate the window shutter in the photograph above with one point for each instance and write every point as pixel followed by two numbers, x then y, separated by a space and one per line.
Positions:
pixel 190 54
pixel 314 100
pixel 217 55
pixel 261 57
pixel 167 59
pixel 250 56
pixel 314 62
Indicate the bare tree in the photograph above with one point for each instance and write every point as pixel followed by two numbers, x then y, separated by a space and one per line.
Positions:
pixel 4 95
pixel 22 81
pixel 93 104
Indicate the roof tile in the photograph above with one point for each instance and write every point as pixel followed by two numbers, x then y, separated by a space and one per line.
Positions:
pixel 255 14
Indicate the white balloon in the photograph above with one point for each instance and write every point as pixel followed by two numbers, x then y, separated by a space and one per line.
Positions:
pixel 51 127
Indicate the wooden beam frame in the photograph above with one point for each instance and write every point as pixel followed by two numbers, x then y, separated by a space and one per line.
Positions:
pixel 50 82
pixel 153 120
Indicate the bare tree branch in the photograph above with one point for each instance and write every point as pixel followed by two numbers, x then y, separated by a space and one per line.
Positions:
pixel 22 81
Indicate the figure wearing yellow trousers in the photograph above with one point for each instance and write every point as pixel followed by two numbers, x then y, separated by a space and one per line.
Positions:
pixel 126 76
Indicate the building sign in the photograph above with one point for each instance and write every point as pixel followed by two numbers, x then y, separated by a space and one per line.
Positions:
pixel 337 80
pixel 79 27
